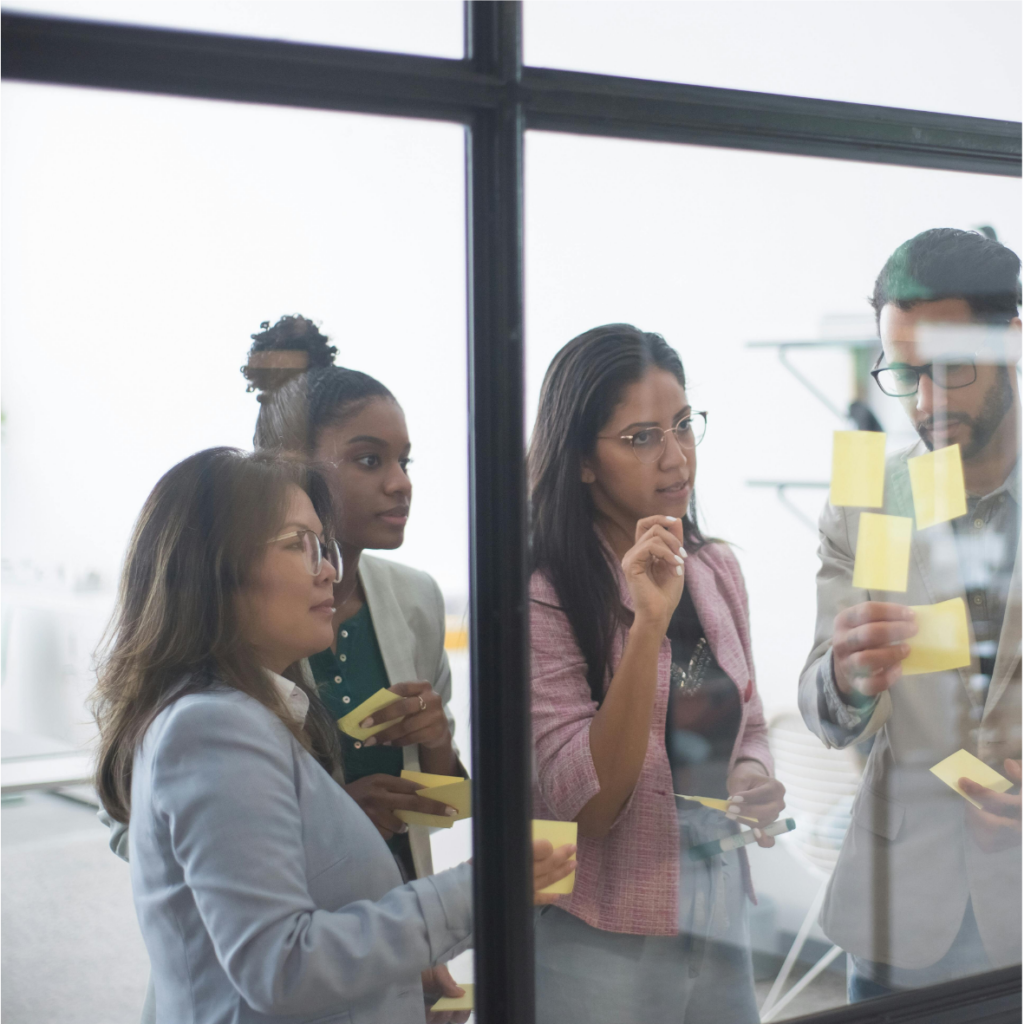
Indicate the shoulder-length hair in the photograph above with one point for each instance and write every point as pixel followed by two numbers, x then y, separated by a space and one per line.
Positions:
pixel 584 383
pixel 177 626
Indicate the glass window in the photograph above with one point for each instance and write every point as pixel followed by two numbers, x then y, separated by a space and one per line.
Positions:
pixel 958 57
pixel 146 239
pixel 757 270
pixel 429 27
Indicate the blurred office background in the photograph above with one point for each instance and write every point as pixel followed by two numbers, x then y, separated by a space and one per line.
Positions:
pixel 147 237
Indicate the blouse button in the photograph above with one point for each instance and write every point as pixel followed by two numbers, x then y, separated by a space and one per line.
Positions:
pixel 344 633
pixel 346 699
pixel 979 523
pixel 358 745
pixel 342 657
pixel 337 679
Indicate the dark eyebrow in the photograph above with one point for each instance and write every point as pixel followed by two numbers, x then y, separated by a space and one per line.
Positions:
pixel 675 419
pixel 367 439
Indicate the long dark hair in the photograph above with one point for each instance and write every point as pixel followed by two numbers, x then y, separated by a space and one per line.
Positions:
pixel 177 627
pixel 301 390
pixel 584 383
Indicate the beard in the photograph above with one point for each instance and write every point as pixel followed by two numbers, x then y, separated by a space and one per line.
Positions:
pixel 994 407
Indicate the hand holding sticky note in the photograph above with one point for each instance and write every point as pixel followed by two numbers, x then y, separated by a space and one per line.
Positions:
pixel 714 803
pixel 350 726
pixel 941 642
pixel 964 765
pixel 937 483
pixel 882 561
pixel 446 789
pixel 453 1003
pixel 557 833
pixel 858 468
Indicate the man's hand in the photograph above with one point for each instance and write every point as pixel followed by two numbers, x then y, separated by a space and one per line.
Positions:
pixel 868 647
pixel 550 866
pixel 997 826
pixel 437 982
pixel 755 794
pixel 422 719
pixel 381 795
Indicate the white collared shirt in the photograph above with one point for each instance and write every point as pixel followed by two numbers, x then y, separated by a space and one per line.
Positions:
pixel 294 697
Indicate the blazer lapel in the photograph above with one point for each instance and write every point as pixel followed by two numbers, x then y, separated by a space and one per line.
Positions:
pixel 1008 653
pixel 395 638
pixel 716 620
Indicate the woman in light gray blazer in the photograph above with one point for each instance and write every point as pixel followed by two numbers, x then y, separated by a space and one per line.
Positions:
pixel 263 892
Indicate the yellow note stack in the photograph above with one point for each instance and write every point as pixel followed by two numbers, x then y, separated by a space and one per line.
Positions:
pixel 448 789
pixel 937 483
pixel 452 1003
pixel 858 468
pixel 964 765
pixel 942 641
pixel 557 833
pixel 350 726
pixel 883 552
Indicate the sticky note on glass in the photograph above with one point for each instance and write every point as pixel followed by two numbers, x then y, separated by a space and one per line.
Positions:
pixel 858 468
pixel 713 802
pixel 454 792
pixel 557 833
pixel 964 765
pixel 942 640
pixel 883 552
pixel 937 483
pixel 350 726
pixel 456 1002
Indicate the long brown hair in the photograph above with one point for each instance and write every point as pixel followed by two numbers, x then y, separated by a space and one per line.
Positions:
pixel 176 629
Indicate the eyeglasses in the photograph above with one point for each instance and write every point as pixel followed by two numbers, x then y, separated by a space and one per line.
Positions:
pixel 647 444
pixel 314 551
pixel 903 381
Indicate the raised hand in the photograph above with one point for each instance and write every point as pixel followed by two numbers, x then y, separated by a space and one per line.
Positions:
pixel 381 795
pixel 654 568
pixel 422 719
pixel 868 647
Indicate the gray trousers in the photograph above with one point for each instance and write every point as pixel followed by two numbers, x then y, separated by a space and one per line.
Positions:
pixel 703 975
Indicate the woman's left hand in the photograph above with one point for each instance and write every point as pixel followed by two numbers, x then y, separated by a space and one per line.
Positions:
pixel 755 794
pixel 438 982
pixel 422 717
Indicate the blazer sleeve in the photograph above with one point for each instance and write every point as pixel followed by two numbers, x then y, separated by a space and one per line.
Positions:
pixel 562 707
pixel 223 781
pixel 836 592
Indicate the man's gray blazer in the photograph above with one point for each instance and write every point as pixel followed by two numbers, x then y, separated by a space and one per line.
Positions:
pixel 263 892
pixel 909 864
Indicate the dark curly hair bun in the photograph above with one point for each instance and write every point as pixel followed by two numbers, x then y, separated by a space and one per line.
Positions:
pixel 281 353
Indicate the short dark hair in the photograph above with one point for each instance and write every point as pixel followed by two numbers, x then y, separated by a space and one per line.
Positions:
pixel 948 263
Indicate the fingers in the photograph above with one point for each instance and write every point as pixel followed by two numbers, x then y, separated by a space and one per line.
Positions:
pixel 873 635
pixel 552 867
pixel 422 805
pixel 669 523
pixel 1013 770
pixel 410 705
pixel 764 840
pixel 445 983
pixel 1003 805
pixel 872 611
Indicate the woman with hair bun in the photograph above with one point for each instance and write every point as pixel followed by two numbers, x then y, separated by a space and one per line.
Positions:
pixel 389 626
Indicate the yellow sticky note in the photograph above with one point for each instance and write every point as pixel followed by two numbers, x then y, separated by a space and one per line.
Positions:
pixel 425 779
pixel 942 640
pixel 937 483
pixel 557 833
pixel 883 552
pixel 964 765
pixel 858 468
pixel 350 723
pixel 713 802
pixel 456 1002
pixel 457 794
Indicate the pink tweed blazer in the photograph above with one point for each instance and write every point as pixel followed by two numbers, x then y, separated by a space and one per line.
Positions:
pixel 629 881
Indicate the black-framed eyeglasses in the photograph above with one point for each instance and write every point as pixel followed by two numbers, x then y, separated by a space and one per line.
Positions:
pixel 647 444
pixel 315 551
pixel 901 381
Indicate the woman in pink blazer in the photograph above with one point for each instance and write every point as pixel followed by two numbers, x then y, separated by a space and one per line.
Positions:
pixel 642 687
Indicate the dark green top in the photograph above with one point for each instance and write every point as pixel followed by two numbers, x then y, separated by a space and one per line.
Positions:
pixel 344 680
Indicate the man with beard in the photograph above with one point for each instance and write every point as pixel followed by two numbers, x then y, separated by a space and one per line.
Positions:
pixel 928 887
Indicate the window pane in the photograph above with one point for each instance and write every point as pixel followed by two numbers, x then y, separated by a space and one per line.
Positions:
pixel 722 252
pixel 145 240
pixel 960 57
pixel 429 27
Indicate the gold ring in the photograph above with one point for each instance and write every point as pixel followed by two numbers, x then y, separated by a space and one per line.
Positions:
pixel 423 703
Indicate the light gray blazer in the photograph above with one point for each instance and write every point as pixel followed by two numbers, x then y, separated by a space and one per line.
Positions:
pixel 262 890
pixel 908 864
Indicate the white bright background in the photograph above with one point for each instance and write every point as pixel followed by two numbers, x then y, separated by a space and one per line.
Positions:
pixel 147 237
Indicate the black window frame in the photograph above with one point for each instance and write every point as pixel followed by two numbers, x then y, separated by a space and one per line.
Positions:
pixel 497 99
